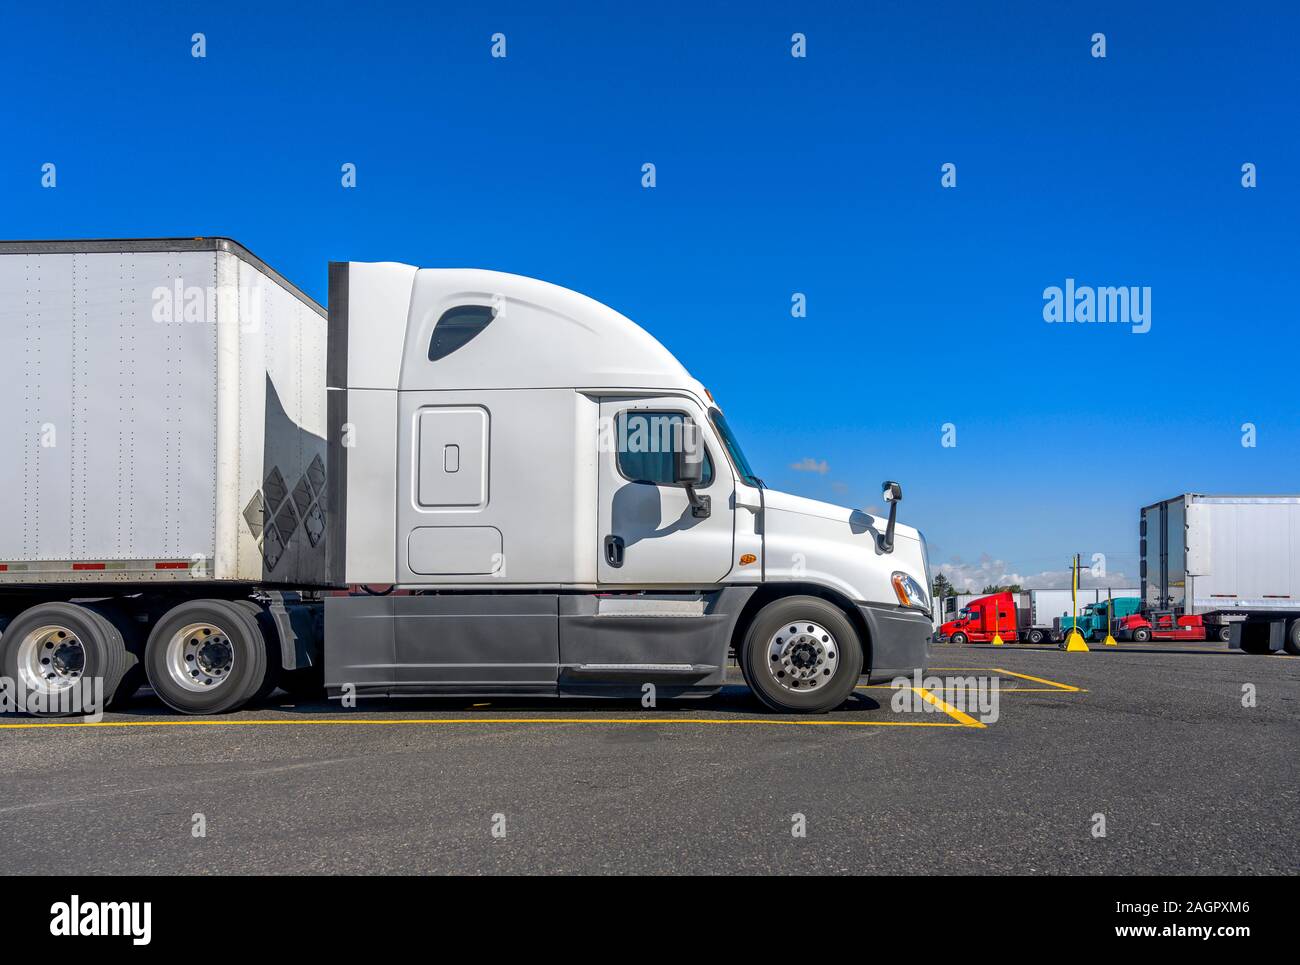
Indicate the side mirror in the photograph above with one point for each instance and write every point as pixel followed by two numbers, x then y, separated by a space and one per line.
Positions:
pixel 688 465
pixel 688 454
pixel 893 494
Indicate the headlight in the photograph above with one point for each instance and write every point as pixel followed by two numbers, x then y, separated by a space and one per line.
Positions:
pixel 910 593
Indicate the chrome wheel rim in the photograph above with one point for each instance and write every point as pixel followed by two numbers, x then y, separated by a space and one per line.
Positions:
pixel 51 659
pixel 802 657
pixel 200 657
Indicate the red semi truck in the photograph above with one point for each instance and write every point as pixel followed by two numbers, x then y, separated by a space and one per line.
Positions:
pixel 982 618
pixel 1166 625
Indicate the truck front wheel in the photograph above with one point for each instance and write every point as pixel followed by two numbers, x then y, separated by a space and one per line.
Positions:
pixel 1141 635
pixel 960 639
pixel 801 654
pixel 206 657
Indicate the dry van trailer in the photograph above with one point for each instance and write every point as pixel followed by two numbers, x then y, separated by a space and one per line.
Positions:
pixel 164 445
pixel 1232 560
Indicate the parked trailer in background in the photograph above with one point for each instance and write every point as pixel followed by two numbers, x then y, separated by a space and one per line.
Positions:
pixel 454 482
pixel 1233 561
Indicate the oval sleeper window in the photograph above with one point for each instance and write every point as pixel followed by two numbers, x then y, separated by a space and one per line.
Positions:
pixel 456 327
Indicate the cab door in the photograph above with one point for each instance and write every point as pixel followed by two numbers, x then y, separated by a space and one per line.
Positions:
pixel 649 532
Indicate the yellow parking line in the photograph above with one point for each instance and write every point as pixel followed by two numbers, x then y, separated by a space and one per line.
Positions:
pixel 966 720
pixel 1013 690
pixel 1064 688
pixel 502 720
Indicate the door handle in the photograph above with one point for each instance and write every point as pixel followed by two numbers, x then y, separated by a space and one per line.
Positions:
pixel 614 550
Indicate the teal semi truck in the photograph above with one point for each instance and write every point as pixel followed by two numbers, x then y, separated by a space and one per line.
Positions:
pixel 1094 618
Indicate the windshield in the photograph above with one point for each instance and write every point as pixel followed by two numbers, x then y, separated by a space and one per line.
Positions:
pixel 733 448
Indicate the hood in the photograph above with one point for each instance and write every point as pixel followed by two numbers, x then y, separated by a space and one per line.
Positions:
pixel 858 519
pixel 809 541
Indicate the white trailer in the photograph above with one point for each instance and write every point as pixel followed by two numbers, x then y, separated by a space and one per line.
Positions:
pixel 1233 560
pixel 454 482
pixel 165 416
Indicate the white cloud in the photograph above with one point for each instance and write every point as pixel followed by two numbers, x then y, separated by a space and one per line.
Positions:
pixel 973 577
pixel 809 464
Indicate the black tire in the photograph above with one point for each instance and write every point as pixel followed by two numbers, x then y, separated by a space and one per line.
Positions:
pixel 133 637
pixel 960 639
pixel 103 650
pixel 238 629
pixel 1035 636
pixel 845 650
pixel 274 667
pixel 1225 633
pixel 1292 640
pixel 1141 635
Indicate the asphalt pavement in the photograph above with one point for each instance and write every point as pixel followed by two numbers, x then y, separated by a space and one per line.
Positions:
pixel 1127 761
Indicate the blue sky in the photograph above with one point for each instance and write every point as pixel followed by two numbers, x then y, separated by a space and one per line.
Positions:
pixel 775 175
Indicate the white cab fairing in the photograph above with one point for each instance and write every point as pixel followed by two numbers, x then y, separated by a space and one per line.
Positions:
pixel 497 477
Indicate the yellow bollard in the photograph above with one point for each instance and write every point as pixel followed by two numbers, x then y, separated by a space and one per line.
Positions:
pixel 997 640
pixel 1110 641
pixel 1075 642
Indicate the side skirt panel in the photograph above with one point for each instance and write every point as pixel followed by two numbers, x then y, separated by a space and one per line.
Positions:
pixel 580 645
pixel 612 645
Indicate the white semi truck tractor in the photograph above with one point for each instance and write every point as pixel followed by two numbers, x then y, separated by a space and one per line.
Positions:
pixel 454 482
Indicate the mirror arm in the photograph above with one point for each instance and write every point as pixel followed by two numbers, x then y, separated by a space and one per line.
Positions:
pixel 701 506
pixel 893 493
pixel 887 544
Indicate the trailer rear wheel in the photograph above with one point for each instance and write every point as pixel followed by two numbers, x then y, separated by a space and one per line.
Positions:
pixel 801 654
pixel 54 650
pixel 1292 641
pixel 1224 633
pixel 206 657
pixel 1035 636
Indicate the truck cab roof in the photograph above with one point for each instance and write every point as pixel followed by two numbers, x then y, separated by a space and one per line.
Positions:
pixel 531 335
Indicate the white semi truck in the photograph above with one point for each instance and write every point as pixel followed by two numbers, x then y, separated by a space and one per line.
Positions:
pixel 454 482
